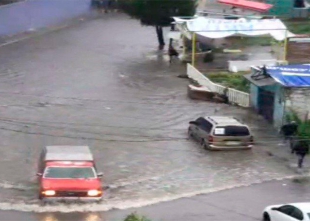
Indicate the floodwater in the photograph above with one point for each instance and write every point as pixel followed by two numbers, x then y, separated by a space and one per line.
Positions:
pixel 103 84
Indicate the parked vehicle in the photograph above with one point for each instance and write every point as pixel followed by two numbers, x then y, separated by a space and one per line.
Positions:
pixel 221 133
pixel 287 212
pixel 68 173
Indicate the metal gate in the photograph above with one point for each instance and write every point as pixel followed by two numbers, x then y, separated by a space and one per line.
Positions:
pixel 266 104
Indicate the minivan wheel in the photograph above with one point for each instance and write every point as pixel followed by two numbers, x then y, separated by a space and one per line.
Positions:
pixel 266 217
pixel 204 144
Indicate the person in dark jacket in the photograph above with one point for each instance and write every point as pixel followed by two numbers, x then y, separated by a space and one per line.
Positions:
pixel 301 148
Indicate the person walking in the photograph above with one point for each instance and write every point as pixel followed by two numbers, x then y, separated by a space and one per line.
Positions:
pixel 301 148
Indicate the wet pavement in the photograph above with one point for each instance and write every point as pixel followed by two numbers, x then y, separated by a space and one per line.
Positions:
pixel 103 84
pixel 245 203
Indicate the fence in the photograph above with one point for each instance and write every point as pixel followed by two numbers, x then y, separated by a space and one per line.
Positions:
pixel 34 14
pixel 234 96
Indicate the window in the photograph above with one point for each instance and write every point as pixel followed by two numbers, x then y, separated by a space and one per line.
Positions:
pixel 232 131
pixel 204 124
pixel 200 120
pixel 299 3
pixel 287 209
pixel 297 214
pixel 69 173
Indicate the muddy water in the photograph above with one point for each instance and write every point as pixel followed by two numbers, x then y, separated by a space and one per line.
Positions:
pixel 102 84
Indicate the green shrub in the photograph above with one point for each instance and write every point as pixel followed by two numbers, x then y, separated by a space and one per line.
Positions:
pixel 303 126
pixel 298 27
pixel 135 217
pixel 292 116
pixel 231 80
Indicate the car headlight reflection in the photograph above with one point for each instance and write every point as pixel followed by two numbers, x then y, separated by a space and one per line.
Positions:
pixel 93 192
pixel 49 192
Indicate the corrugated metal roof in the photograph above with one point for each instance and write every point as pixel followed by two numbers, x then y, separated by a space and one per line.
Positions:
pixel 260 82
pixel 250 5
pixel 68 153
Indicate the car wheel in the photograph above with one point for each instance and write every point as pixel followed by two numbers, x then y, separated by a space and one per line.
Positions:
pixel 266 217
pixel 203 143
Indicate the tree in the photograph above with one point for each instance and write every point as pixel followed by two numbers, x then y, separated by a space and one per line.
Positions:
pixel 158 13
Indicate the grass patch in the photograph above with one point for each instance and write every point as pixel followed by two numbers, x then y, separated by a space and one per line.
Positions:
pixel 231 80
pixel 136 217
pixel 243 42
pixel 301 180
pixel 298 27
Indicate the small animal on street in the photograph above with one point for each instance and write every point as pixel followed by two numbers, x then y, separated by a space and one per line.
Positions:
pixel 172 54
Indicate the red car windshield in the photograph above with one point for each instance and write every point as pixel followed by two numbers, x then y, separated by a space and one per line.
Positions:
pixel 69 173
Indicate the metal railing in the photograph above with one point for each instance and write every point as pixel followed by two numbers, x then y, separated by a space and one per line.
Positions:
pixel 202 80
pixel 234 96
pixel 239 97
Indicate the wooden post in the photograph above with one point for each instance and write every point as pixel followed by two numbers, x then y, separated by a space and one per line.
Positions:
pixel 285 46
pixel 193 48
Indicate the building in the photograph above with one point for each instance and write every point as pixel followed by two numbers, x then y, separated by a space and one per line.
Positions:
pixel 272 90
pixel 289 8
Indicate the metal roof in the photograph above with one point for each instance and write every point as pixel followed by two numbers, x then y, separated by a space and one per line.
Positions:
pixel 250 5
pixel 260 82
pixel 68 153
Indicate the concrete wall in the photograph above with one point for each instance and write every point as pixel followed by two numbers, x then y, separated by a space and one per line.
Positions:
pixel 254 96
pixel 278 113
pixel 299 102
pixel 33 14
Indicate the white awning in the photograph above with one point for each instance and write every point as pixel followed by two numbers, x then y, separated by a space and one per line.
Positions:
pixel 221 28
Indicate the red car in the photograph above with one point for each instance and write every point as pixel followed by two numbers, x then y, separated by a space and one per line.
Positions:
pixel 68 173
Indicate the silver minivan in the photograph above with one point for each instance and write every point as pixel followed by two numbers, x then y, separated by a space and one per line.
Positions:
pixel 221 133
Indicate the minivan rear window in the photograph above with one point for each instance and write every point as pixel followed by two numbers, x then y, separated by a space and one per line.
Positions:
pixel 231 131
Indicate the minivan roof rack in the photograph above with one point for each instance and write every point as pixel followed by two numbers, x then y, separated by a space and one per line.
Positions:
pixel 224 120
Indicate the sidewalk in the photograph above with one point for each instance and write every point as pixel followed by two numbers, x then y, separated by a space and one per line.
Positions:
pixel 282 153
pixel 273 144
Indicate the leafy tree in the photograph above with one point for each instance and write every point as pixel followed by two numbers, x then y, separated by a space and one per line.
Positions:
pixel 158 13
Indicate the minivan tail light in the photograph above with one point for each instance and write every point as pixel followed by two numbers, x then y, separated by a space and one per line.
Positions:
pixel 210 139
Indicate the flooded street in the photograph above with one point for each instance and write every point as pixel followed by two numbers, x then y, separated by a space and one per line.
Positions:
pixel 103 84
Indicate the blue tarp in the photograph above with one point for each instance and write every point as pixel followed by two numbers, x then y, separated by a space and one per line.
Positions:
pixel 291 75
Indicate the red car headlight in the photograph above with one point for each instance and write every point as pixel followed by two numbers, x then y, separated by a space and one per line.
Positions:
pixel 94 192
